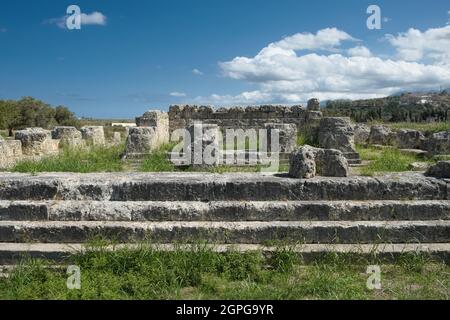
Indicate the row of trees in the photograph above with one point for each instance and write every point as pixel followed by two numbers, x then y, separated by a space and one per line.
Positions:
pixel 390 111
pixel 30 112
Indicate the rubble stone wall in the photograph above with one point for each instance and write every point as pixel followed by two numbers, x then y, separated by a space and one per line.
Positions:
pixel 257 117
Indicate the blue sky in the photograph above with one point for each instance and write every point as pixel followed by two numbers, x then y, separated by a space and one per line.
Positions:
pixel 143 54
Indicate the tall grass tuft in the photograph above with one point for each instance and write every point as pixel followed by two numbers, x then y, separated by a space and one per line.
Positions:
pixel 199 272
pixel 93 159
pixel 158 160
pixel 386 160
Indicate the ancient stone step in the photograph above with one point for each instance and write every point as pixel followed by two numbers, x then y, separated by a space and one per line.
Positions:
pixel 200 186
pixel 354 161
pixel 352 158
pixel 85 210
pixel 11 253
pixel 352 155
pixel 344 232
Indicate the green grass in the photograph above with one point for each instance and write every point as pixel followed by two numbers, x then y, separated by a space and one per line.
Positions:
pixel 94 159
pixel 306 137
pixel 385 160
pixel 200 273
pixel 443 157
pixel 158 161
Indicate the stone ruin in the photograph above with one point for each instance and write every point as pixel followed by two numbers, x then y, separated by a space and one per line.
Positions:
pixel 204 151
pixel 338 133
pixel 93 135
pixel 10 152
pixel 255 117
pixel 384 216
pixel 407 139
pixel 287 133
pixel 308 161
pixel 35 143
pixel 68 136
pixel 151 132
pixel 331 132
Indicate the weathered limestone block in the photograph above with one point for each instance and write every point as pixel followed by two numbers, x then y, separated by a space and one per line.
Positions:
pixel 302 163
pixel 298 109
pixel 10 152
pixel 418 166
pixel 306 161
pixel 14 148
pixel 141 140
pixel 205 143
pixel 36 141
pixel 152 118
pixel 438 143
pixel 287 134
pixel 409 139
pixel 94 135
pixel 381 135
pixel 313 105
pixel 5 159
pixel 362 132
pixel 439 170
pixel 51 146
pixel 117 138
pixel 331 163
pixel 337 133
pixel 311 116
pixel 69 136
pixel 159 120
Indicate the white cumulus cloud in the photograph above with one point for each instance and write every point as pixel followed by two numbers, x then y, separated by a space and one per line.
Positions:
pixel 283 72
pixel 415 45
pixel 94 18
pixel 178 94
pixel 197 72
pixel 359 51
pixel 325 39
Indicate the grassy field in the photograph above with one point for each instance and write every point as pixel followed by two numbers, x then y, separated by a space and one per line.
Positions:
pixel 200 273
pixel 431 127
pixel 96 159
pixel 385 160
pixel 158 161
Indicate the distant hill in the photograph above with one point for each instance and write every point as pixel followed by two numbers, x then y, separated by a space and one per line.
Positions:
pixel 408 106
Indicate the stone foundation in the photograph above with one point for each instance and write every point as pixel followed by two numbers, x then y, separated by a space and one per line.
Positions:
pixel 93 135
pixel 10 153
pixel 152 131
pixel 338 133
pixel 69 136
pixel 308 161
pixel 287 134
pixel 36 142
pixel 181 117
pixel 141 140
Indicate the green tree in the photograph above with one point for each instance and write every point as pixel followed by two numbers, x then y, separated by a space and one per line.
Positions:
pixel 65 117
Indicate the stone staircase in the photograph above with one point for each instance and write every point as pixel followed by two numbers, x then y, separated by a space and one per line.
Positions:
pixel 50 215
pixel 353 158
